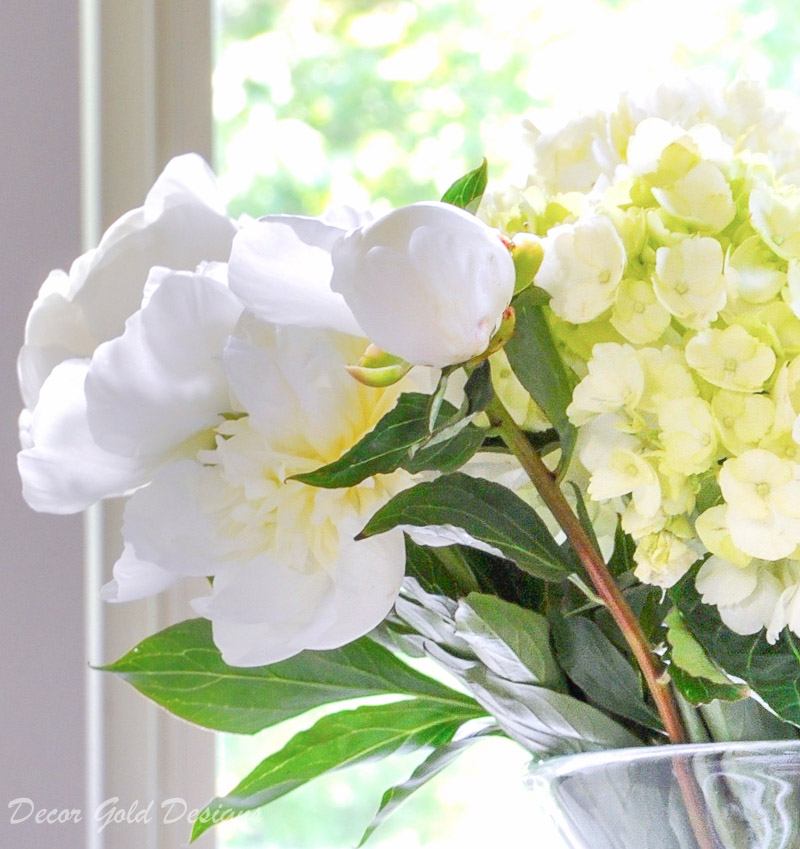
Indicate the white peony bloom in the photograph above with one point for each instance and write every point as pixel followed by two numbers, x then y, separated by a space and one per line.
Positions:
pixel 205 411
pixel 427 282
pixel 288 574
pixel 181 224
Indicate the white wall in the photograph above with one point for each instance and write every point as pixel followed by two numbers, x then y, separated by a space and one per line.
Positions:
pixel 41 602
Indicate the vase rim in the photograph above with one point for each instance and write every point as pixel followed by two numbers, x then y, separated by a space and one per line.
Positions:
pixel 547 770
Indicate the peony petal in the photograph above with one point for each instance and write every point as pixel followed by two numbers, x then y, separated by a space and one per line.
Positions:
pixel 161 382
pixel 368 579
pixel 263 611
pixel 169 524
pixel 135 579
pixel 182 223
pixel 281 268
pixel 63 469
pixel 293 383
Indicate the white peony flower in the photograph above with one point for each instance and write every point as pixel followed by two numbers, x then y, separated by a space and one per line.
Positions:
pixel 288 574
pixel 205 411
pixel 427 282
pixel 181 224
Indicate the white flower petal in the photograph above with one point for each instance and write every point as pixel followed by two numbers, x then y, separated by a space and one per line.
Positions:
pixel 723 583
pixel 293 383
pixel 161 382
pixel 281 268
pixel 432 260
pixel 756 611
pixel 168 522
pixel 63 470
pixel 136 579
pixel 182 223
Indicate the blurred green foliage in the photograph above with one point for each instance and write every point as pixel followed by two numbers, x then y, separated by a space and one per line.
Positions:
pixel 386 103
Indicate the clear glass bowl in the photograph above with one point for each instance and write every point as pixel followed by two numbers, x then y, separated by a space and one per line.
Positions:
pixel 704 796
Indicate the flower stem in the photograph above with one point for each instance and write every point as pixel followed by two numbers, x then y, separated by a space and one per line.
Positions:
pixel 545 482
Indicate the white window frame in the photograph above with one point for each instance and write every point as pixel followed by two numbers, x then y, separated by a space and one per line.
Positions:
pixel 145 96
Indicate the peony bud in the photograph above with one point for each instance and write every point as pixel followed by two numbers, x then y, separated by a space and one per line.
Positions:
pixel 427 282
pixel 527 253
pixel 377 368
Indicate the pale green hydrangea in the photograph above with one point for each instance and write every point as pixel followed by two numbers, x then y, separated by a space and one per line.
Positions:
pixel 671 236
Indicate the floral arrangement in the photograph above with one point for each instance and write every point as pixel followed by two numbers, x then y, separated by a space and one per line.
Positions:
pixel 544 432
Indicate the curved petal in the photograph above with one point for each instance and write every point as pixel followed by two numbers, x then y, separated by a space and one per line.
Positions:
pixel 135 579
pixel 44 349
pixel 182 223
pixel 264 611
pixel 162 382
pixel 169 523
pixel 368 579
pixel 63 469
pixel 281 268
pixel 293 383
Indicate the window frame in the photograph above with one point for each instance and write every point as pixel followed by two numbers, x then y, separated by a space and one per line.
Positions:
pixel 145 97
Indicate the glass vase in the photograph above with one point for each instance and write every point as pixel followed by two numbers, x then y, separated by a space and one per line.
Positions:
pixel 703 796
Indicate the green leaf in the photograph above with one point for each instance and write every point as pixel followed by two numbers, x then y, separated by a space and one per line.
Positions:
pixel 540 719
pixel 488 512
pixel 538 366
pixel 701 691
pixel 771 671
pixel 455 571
pixel 336 741
pixel 698 678
pixel 438 760
pixel 389 445
pixel 468 190
pixel 182 670
pixel 478 390
pixel 745 719
pixel 441 571
pixel 622 558
pixel 594 665
pixel 511 641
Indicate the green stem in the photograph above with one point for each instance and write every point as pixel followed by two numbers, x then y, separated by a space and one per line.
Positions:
pixel 542 478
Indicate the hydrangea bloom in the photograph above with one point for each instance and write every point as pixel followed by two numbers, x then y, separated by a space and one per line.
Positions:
pixel 683 327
